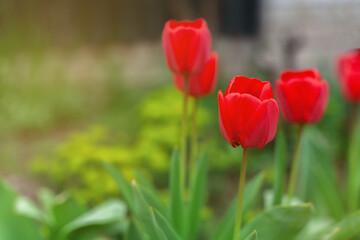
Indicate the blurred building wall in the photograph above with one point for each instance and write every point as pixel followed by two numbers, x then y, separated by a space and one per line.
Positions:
pixel 260 34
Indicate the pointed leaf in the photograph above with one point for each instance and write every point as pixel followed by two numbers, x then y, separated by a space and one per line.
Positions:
pixel 134 232
pixel 163 227
pixel 197 197
pixel 346 228
pixel 252 236
pixel 142 212
pixel 176 211
pixel 122 183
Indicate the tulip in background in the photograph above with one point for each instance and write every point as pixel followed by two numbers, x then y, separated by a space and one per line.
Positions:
pixel 202 84
pixel 248 116
pixel 303 97
pixel 199 86
pixel 348 65
pixel 187 48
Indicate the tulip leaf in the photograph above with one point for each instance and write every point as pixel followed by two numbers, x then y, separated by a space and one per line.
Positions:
pixel 142 180
pixel 347 228
pixel 176 210
pixel 26 207
pixel 252 236
pixel 316 228
pixel 152 199
pixel 142 213
pixel 226 227
pixel 162 226
pixel 122 184
pixel 280 222
pixel 110 212
pixel 14 226
pixel 317 175
pixel 280 168
pixel 353 172
pixel 197 196
pixel 134 232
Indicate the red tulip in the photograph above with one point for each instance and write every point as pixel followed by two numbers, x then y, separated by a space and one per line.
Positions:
pixel 203 84
pixel 248 114
pixel 186 45
pixel 302 95
pixel 349 73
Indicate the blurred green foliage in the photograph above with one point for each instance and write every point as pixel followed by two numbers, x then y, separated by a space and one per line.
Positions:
pixel 75 164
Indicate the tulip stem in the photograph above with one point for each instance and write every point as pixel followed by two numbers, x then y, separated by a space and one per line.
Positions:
pixel 184 131
pixel 240 195
pixel 352 169
pixel 294 166
pixel 194 140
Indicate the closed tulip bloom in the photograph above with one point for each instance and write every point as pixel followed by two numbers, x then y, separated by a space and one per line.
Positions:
pixel 302 95
pixel 203 84
pixel 349 72
pixel 186 46
pixel 248 114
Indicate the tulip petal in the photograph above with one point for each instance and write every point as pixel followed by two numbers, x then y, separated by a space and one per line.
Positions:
pixel 203 84
pixel 297 98
pixel 186 46
pixel 261 127
pixel 321 104
pixel 252 86
pixel 223 118
pixel 311 73
pixel 239 108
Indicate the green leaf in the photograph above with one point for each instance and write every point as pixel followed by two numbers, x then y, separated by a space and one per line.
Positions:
pixel 226 227
pixel 317 228
pixel 197 197
pixel 142 213
pixel 162 226
pixel 66 209
pixel 47 199
pixel 346 228
pixel 252 236
pixel 176 211
pixel 353 184
pixel 317 175
pixel 122 183
pixel 24 206
pixel 107 213
pixel 14 226
pixel 142 180
pixel 280 168
pixel 134 232
pixel 279 223
pixel 152 199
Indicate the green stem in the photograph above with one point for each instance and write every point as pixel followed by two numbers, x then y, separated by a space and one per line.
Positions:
pixel 240 195
pixel 353 179
pixel 184 131
pixel 194 140
pixel 294 166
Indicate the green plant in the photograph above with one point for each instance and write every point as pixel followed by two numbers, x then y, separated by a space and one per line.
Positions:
pixel 63 217
pixel 180 220
pixel 58 217
pixel 74 164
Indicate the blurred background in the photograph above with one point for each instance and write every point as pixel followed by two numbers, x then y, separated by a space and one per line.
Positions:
pixel 86 81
